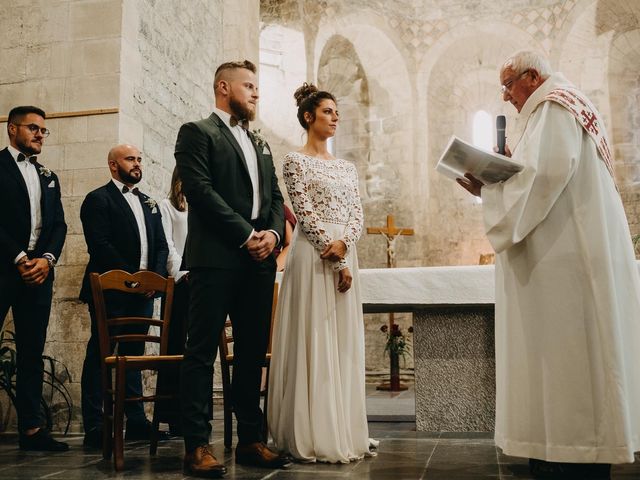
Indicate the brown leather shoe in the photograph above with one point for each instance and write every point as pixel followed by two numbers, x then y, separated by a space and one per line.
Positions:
pixel 259 455
pixel 201 463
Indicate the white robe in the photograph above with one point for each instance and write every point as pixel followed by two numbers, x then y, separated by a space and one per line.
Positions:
pixel 567 320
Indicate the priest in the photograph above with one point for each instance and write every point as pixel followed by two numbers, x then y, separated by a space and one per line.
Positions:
pixel 567 316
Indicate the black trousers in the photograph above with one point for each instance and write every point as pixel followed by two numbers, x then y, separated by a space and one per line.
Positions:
pixel 169 378
pixel 31 307
pixel 245 295
pixel 117 305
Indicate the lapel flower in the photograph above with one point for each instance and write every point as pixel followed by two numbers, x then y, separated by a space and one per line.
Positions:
pixel 261 142
pixel 151 203
pixel 44 171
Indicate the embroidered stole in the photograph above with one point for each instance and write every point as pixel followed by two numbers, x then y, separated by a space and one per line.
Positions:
pixel 587 115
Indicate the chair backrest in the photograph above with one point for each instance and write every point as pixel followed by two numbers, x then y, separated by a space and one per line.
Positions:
pixel 226 336
pixel 137 284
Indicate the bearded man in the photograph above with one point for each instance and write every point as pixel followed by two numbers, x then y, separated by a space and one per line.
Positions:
pixel 567 288
pixel 32 233
pixel 236 218
pixel 123 230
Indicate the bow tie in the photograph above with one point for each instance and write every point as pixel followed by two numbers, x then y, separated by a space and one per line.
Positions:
pixel 243 123
pixel 133 190
pixel 22 158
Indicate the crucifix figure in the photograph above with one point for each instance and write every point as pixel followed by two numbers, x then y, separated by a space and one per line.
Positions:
pixel 391 234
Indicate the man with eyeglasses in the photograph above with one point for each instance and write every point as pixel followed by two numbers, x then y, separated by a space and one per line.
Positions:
pixel 32 233
pixel 567 294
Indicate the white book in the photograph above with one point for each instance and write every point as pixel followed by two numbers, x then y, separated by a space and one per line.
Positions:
pixel 461 157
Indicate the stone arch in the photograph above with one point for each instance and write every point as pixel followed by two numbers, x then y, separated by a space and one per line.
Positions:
pixel 459 76
pixel 601 54
pixel 341 73
pixel 384 133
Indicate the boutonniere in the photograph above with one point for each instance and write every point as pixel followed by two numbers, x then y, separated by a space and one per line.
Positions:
pixel 261 142
pixel 152 204
pixel 45 171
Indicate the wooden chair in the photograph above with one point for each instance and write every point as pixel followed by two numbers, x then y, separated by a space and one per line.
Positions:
pixel 226 364
pixel 114 396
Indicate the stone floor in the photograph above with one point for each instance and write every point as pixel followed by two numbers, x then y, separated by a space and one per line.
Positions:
pixel 403 454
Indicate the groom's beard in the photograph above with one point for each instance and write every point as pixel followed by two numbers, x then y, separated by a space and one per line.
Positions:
pixel 240 111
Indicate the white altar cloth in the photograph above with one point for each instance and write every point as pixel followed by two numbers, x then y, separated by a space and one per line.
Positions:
pixel 428 286
pixel 462 285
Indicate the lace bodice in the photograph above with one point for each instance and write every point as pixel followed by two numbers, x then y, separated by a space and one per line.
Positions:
pixel 324 191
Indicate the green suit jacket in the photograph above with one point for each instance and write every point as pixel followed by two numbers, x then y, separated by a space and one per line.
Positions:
pixel 216 182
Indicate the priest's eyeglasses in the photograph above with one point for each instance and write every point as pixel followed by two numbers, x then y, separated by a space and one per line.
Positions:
pixel 35 128
pixel 506 86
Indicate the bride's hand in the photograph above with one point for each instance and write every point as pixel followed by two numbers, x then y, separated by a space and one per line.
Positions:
pixel 344 280
pixel 335 251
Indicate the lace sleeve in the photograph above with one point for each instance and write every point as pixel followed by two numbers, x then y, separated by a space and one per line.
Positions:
pixel 294 173
pixel 356 218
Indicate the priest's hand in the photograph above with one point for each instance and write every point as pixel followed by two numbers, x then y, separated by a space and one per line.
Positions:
pixel 335 251
pixel 471 184
pixel 507 150
pixel 344 280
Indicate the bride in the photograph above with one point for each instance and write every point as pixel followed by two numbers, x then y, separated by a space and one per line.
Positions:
pixel 316 388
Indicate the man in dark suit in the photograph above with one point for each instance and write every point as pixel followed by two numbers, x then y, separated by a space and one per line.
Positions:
pixel 32 232
pixel 123 230
pixel 235 220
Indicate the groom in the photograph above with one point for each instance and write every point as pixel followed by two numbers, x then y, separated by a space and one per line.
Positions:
pixel 235 220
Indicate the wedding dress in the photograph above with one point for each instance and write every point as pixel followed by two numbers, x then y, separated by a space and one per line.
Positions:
pixel 317 406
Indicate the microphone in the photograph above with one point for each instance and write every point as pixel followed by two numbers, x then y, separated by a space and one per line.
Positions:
pixel 501 125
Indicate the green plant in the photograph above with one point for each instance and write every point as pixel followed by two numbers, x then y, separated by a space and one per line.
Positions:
pixel 55 396
pixel 636 242
pixel 396 341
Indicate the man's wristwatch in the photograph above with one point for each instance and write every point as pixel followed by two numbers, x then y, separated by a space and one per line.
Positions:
pixel 51 260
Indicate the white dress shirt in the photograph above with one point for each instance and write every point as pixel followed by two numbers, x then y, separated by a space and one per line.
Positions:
pixel 250 156
pixel 136 207
pixel 30 175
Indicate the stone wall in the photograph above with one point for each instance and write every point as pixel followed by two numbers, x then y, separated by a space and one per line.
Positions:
pixel 169 55
pixel 150 60
pixel 58 57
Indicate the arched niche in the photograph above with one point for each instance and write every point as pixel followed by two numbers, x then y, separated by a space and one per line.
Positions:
pixel 624 96
pixel 460 76
pixel 380 141
pixel 341 73
pixel 601 54
pixel 623 20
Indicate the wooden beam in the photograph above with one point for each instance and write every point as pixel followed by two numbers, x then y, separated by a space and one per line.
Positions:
pixel 80 113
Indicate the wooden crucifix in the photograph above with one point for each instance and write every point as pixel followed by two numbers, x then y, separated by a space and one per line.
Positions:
pixel 391 233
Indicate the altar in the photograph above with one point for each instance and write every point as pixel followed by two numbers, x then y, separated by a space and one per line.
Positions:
pixel 453 343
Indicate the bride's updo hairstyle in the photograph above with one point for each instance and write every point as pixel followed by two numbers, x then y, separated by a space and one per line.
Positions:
pixel 308 98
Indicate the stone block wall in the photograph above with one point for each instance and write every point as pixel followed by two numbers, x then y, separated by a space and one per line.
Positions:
pixel 61 59
pixel 152 63
pixel 169 55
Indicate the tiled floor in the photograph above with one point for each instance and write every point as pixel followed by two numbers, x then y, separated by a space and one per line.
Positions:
pixel 403 454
